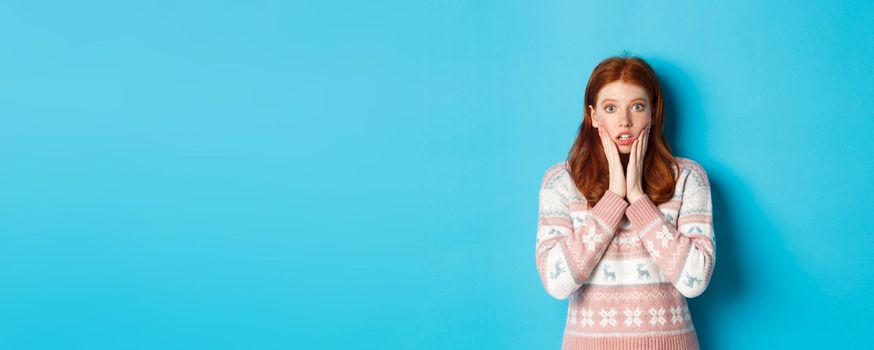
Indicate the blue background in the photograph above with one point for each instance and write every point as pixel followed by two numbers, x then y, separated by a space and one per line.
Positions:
pixel 269 174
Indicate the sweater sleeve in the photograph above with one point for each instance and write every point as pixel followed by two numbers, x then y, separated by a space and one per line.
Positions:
pixel 687 252
pixel 566 253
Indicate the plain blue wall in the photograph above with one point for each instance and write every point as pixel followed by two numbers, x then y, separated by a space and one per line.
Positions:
pixel 266 175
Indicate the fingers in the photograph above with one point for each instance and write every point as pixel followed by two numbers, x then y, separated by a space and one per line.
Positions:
pixel 641 149
pixel 645 140
pixel 632 172
pixel 641 143
pixel 607 144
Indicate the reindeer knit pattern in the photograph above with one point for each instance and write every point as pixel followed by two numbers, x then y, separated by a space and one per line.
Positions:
pixel 626 269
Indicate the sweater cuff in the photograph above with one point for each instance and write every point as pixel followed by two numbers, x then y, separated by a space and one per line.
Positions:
pixel 642 212
pixel 610 209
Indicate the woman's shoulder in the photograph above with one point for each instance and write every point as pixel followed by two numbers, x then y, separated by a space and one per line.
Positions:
pixel 689 165
pixel 554 174
pixel 692 168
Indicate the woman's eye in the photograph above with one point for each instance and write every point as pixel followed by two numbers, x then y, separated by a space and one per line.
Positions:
pixel 609 108
pixel 638 107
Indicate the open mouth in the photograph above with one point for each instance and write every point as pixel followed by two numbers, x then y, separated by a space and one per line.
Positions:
pixel 625 139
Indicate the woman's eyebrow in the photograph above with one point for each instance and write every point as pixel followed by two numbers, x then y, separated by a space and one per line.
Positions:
pixel 636 99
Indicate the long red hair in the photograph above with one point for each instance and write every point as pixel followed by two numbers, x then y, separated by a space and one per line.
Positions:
pixel 586 160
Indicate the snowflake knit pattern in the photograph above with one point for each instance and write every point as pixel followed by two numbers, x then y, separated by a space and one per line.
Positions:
pixel 626 269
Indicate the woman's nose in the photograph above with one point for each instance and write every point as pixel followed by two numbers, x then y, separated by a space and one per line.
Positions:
pixel 625 121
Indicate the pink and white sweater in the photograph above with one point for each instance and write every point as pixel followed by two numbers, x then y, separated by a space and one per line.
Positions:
pixel 626 269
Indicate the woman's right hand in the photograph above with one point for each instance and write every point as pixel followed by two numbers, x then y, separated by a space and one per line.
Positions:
pixel 617 174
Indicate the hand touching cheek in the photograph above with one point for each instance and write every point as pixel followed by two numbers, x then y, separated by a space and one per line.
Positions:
pixel 634 180
pixel 614 164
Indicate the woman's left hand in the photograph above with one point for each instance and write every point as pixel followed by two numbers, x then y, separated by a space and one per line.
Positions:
pixel 634 173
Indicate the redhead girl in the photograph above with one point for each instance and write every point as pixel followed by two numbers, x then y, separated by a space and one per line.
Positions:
pixel 625 229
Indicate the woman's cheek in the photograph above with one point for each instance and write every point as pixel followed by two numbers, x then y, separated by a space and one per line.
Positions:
pixel 643 130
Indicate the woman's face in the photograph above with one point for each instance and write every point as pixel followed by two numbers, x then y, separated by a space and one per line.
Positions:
pixel 622 109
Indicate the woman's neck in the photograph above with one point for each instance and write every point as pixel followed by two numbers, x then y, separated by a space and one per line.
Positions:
pixel 623 157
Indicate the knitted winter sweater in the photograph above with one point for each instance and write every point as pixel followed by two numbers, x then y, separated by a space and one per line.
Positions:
pixel 626 269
